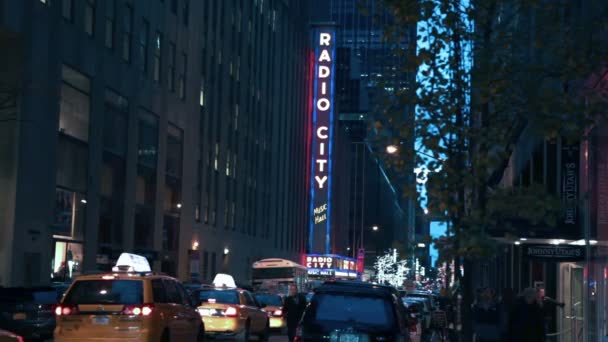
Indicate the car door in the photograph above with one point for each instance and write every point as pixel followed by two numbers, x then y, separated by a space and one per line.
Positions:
pixel 178 324
pixel 257 317
pixel 188 312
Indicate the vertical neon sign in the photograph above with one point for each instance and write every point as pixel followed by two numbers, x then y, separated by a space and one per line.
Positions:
pixel 322 138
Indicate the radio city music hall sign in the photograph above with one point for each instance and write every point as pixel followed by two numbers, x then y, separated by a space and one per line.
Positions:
pixel 322 137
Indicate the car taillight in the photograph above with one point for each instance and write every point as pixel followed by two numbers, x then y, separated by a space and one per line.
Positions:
pixel 66 310
pixel 231 312
pixel 138 310
pixel 277 313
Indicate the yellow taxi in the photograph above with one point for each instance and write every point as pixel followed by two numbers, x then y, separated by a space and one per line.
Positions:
pixel 229 311
pixel 273 305
pixel 131 303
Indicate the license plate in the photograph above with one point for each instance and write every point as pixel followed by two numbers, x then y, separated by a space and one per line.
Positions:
pixel 101 320
pixel 19 316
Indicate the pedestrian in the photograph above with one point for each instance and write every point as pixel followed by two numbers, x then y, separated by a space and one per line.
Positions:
pixel 294 307
pixel 526 320
pixel 506 305
pixel 548 307
pixel 486 317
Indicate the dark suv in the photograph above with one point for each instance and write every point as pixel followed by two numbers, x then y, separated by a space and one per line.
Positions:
pixel 354 311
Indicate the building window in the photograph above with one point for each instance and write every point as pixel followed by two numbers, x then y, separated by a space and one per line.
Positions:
pixel 186 13
pixel 75 104
pixel 115 123
pixel 147 139
pixel 127 33
pixel 89 17
pixel 236 117
pixel 68 212
pixel 109 23
pixel 201 95
pixel 174 151
pixel 143 45
pixel 171 68
pixel 228 163
pixel 216 157
pixel 174 7
pixel 182 77
pixel 67 8
pixel 158 44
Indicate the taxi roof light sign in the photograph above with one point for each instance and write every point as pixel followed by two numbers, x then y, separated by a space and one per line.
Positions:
pixel 132 263
pixel 223 280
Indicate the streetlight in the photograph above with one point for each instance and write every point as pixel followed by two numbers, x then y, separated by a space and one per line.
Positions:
pixel 375 228
pixel 226 251
pixel 391 149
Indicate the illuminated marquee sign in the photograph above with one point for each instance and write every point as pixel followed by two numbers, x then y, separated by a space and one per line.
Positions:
pixel 322 137
pixel 330 265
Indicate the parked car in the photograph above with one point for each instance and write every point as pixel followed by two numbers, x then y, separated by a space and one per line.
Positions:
pixel 29 312
pixel 350 310
pixel 432 298
pixel 421 309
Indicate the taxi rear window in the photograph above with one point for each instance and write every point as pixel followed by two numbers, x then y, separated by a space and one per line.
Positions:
pixel 105 292
pixel 220 297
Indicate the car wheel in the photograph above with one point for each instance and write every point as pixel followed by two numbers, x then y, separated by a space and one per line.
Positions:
pixel 245 334
pixel 201 334
pixel 265 335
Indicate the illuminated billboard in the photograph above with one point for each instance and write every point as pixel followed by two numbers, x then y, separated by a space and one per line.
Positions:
pixel 322 137
pixel 330 266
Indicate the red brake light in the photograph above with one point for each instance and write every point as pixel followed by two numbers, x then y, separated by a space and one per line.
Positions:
pixel 278 312
pixel 231 312
pixel 66 310
pixel 138 310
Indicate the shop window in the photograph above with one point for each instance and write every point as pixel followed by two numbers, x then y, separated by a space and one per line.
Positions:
pixel 75 104
pixel 68 213
pixel 67 261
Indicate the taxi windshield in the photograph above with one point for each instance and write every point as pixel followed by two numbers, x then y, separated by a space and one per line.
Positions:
pixel 105 292
pixel 269 299
pixel 218 296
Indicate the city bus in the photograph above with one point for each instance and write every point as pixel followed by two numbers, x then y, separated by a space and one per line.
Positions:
pixel 275 275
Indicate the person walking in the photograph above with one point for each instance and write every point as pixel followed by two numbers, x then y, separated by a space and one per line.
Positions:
pixel 486 317
pixel 294 307
pixel 526 319
pixel 548 308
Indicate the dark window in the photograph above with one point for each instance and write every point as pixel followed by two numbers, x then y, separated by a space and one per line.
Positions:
pixel 249 301
pixel 147 139
pixel 171 68
pixel 174 151
pixel 127 33
pixel 89 17
pixel 158 44
pixel 213 264
pixel 158 291
pixel 174 6
pixel 183 294
pixel 143 45
pixel 172 292
pixel 332 310
pixel 205 265
pixel 269 299
pixel 182 76
pixel 273 272
pixel 552 167
pixel 219 296
pixel 537 165
pixel 115 123
pixel 67 9
pixel 75 104
pixel 109 23
pixel 186 13
pixel 105 292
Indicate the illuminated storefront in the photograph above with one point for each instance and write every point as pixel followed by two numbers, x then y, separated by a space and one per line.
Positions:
pixel 322 138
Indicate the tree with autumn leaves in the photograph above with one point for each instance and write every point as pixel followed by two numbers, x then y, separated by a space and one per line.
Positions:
pixel 488 71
